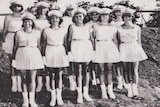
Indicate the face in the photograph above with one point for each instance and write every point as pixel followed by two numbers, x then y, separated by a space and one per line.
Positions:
pixel 118 13
pixel 17 8
pixel 104 17
pixel 43 10
pixel 69 12
pixel 127 18
pixel 55 19
pixel 94 16
pixel 27 23
pixel 79 18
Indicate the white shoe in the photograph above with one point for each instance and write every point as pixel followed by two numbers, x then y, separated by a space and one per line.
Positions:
pixel 85 94
pixel 53 98
pixel 110 91
pixel 25 99
pixel 120 83
pixel 94 82
pixel 135 90
pixel 97 81
pixel 19 83
pixel 14 84
pixel 104 92
pixel 129 90
pixel 80 96
pixel 32 99
pixel 59 96
pixel 40 84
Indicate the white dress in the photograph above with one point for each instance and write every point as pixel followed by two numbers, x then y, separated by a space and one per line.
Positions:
pixel 41 24
pixel 130 50
pixel 13 25
pixel 81 46
pixel 106 49
pixel 55 51
pixel 28 56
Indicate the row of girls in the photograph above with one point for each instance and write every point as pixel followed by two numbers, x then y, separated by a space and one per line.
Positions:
pixel 60 43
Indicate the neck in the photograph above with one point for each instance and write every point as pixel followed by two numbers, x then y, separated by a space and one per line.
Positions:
pixel 17 14
pixel 28 29
pixel 128 23
pixel 78 24
pixel 118 19
pixel 42 17
pixel 104 23
pixel 55 26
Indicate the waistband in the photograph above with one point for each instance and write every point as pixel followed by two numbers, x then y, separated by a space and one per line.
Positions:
pixel 80 39
pixel 54 44
pixel 11 31
pixel 27 46
pixel 128 42
pixel 103 40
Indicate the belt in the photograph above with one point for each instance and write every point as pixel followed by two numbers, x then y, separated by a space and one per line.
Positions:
pixel 129 42
pixel 11 31
pixel 54 44
pixel 103 40
pixel 27 46
pixel 80 39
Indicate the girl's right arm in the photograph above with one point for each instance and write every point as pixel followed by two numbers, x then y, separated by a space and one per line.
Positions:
pixel 43 42
pixel 5 28
pixel 15 45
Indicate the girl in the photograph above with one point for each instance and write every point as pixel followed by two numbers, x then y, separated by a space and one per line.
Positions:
pixel 67 20
pixel 40 23
pixel 80 48
pixel 53 51
pixel 94 19
pixel 106 51
pixel 28 57
pixel 131 51
pixel 12 23
pixel 117 11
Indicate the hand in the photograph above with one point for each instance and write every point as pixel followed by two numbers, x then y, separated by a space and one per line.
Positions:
pixel 14 63
pixel 44 60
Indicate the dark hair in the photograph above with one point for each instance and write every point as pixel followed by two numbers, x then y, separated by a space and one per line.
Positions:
pixel 12 7
pixel 126 14
pixel 50 17
pixel 33 24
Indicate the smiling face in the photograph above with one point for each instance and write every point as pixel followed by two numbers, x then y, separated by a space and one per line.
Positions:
pixel 118 13
pixel 94 16
pixel 104 17
pixel 55 20
pixel 79 18
pixel 27 23
pixel 42 10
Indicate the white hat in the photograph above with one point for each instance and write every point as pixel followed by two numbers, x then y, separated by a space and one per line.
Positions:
pixel 70 7
pixel 55 13
pixel 79 10
pixel 129 11
pixel 42 4
pixel 119 7
pixel 16 2
pixel 94 9
pixel 105 11
pixel 28 16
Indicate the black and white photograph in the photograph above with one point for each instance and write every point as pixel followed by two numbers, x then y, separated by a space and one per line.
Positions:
pixel 79 53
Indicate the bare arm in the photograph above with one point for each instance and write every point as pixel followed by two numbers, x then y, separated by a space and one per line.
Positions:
pixel 15 46
pixel 94 38
pixel 139 35
pixel 5 28
pixel 69 38
pixel 43 42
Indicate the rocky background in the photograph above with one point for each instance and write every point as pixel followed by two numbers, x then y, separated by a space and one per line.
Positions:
pixel 149 82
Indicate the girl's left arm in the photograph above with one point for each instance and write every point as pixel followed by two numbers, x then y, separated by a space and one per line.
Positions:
pixel 139 35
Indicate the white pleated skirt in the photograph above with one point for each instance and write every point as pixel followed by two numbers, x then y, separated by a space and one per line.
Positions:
pixel 56 57
pixel 132 52
pixel 106 52
pixel 81 50
pixel 8 44
pixel 28 58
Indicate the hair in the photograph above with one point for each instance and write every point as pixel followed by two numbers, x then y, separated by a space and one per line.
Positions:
pixel 66 12
pixel 33 24
pixel 50 17
pixel 126 14
pixel 12 7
